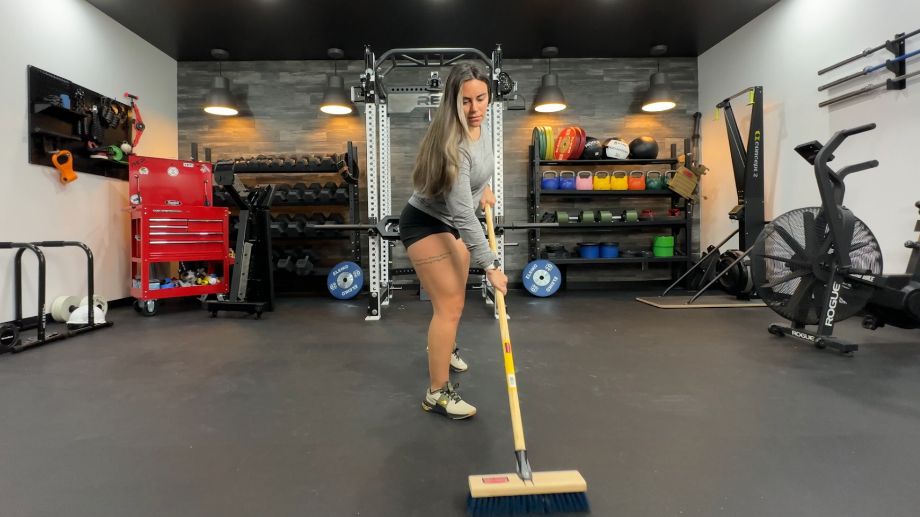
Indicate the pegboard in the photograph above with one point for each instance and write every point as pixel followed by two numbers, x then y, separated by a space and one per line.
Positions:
pixel 54 125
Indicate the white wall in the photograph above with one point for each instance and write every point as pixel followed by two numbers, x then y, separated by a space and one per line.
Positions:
pixel 782 50
pixel 73 39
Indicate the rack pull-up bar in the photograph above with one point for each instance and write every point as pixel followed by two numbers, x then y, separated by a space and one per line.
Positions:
pixel 867 52
pixel 408 53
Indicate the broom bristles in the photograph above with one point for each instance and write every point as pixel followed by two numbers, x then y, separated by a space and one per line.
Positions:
pixel 527 504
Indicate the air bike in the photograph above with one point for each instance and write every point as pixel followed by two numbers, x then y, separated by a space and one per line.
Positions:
pixel 816 266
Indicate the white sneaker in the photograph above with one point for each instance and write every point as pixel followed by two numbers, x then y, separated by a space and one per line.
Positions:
pixel 447 401
pixel 456 363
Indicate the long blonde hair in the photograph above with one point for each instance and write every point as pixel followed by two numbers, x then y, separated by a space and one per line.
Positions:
pixel 438 157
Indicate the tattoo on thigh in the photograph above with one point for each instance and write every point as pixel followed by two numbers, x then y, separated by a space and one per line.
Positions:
pixel 433 259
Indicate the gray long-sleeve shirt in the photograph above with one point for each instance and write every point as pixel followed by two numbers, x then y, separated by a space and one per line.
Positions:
pixel 458 207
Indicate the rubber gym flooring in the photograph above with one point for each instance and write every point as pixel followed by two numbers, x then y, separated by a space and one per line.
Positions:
pixel 314 412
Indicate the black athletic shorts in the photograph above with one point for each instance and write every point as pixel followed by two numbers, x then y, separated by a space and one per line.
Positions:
pixel 415 225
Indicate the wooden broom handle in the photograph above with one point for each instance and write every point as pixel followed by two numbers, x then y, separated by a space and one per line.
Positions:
pixel 517 425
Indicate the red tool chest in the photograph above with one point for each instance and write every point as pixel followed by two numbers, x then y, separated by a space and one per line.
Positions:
pixel 172 221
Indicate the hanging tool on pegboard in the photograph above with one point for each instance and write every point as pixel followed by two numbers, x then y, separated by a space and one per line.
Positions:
pixel 138 124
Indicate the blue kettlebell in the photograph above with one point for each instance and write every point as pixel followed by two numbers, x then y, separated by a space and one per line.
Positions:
pixel 550 181
pixel 567 180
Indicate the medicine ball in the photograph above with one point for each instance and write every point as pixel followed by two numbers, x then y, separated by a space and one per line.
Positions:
pixel 616 149
pixel 593 149
pixel 643 147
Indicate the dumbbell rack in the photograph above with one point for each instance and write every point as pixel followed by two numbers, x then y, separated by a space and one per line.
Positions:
pixel 673 225
pixel 310 201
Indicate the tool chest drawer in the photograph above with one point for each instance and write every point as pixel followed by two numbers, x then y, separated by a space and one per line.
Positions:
pixel 191 233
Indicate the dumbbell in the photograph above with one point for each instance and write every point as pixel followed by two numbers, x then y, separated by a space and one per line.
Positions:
pixel 288 260
pixel 318 219
pixel 313 162
pixel 330 220
pixel 279 224
pixel 311 193
pixel 276 256
pixel 341 194
pixel 328 161
pixel 263 162
pixel 290 162
pixel 295 195
pixel 277 163
pixel 279 196
pixel 303 266
pixel 328 192
pixel 296 225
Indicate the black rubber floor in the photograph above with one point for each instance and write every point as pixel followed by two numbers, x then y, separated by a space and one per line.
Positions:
pixel 314 412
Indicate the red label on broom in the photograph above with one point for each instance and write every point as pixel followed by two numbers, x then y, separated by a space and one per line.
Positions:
pixel 507 347
pixel 495 480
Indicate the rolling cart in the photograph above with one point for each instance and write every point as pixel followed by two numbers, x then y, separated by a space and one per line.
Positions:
pixel 173 221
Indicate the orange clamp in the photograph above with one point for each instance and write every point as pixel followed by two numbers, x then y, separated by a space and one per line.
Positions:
pixel 63 162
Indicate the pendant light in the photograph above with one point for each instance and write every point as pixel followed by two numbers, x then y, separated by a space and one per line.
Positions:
pixel 336 100
pixel 219 100
pixel 549 97
pixel 659 96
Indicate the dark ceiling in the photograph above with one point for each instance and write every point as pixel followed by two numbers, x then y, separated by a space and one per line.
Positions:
pixel 303 29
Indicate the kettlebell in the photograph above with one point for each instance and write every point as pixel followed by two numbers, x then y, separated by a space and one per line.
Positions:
pixel 636 180
pixel 566 180
pixel 550 181
pixel 601 180
pixel 584 181
pixel 653 180
pixel 667 177
pixel 619 181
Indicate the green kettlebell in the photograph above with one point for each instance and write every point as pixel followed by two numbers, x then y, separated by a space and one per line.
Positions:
pixel 653 180
pixel 668 176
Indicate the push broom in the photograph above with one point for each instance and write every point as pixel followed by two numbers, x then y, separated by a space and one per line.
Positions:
pixel 524 491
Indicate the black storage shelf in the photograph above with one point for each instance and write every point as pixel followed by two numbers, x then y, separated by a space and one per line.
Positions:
pixel 58 112
pixel 635 161
pixel 681 228
pixel 55 134
pixel 620 193
pixel 620 260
